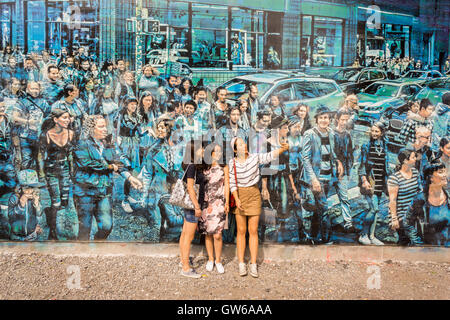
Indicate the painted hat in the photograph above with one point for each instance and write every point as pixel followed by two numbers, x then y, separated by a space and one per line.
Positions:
pixel 29 178
pixel 322 109
pixel 380 125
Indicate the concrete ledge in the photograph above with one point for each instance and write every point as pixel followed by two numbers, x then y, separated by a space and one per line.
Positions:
pixel 267 252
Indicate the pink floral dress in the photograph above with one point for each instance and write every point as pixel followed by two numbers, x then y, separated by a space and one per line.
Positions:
pixel 213 216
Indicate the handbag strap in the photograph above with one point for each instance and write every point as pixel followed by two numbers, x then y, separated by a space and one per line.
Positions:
pixel 187 170
pixel 235 174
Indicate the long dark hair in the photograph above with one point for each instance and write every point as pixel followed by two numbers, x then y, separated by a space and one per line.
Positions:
pixel 234 146
pixel 307 121
pixel 189 155
pixel 4 50
pixel 141 110
pixel 428 173
pixel 70 87
pixel 191 88
pixel 208 153
pixel 124 109
pixel 49 122
pixel 444 141
pixel 105 66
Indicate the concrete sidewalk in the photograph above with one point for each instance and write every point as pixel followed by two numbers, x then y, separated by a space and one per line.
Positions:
pixel 267 252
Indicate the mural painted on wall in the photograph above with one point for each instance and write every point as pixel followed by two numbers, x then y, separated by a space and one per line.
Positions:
pixel 91 150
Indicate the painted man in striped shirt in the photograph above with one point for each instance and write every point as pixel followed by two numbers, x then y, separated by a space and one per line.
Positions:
pixel 321 169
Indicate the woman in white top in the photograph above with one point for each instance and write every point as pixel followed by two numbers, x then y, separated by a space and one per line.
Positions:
pixel 244 168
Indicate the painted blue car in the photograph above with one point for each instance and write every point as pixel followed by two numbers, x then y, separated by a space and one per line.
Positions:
pixel 421 76
pixel 293 88
pixel 434 91
pixel 376 98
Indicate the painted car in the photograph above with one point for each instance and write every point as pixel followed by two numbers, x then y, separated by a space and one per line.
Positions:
pixel 376 98
pixel 353 80
pixel 434 91
pixel 292 87
pixel 421 76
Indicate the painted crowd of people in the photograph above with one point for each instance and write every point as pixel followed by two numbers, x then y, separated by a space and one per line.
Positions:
pixel 80 130
pixel 396 66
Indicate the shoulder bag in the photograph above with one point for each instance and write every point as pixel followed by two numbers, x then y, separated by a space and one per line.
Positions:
pixel 179 196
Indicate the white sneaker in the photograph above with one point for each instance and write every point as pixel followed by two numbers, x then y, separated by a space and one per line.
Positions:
pixel 209 266
pixel 376 242
pixel 254 270
pixel 364 239
pixel 126 207
pixel 242 269
pixel 220 268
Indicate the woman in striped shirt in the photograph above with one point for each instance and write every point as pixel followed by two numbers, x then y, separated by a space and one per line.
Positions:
pixel 403 186
pixel 373 168
pixel 244 168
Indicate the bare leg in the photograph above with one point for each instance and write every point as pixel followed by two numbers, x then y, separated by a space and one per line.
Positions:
pixel 189 233
pixel 218 247
pixel 253 239
pixel 209 247
pixel 181 243
pixel 241 225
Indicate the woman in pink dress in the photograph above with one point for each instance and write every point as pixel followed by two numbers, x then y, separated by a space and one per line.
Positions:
pixel 216 206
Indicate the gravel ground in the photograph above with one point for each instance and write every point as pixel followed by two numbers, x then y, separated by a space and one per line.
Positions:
pixel 40 276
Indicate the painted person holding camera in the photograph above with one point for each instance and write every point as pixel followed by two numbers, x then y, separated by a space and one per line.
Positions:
pixel 278 185
pixel 24 207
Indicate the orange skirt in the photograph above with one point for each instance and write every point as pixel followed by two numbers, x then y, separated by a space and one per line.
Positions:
pixel 251 202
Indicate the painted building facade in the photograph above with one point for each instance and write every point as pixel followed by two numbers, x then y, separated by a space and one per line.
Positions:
pixel 251 34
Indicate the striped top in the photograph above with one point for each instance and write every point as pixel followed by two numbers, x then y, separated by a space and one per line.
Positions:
pixel 325 161
pixel 407 190
pixel 378 157
pixel 248 172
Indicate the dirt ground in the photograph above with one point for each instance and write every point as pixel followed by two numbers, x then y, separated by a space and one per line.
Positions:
pixel 48 277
